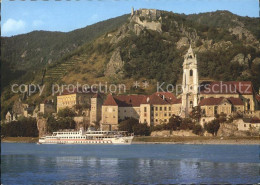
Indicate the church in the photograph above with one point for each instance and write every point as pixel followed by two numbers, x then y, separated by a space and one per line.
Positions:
pixel 214 97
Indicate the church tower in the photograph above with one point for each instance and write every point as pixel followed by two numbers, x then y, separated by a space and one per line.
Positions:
pixel 190 83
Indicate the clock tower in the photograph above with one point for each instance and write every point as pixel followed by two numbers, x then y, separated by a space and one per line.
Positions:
pixel 190 83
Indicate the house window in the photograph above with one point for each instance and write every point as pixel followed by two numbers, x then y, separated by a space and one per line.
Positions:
pixel 191 72
pixel 160 108
pixel 156 108
pixel 144 120
pixel 191 104
pixel 165 108
pixel 244 125
pixel 170 108
pixel 165 114
pixel 145 109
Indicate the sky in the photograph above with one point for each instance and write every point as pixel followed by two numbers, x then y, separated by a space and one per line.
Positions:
pixel 20 17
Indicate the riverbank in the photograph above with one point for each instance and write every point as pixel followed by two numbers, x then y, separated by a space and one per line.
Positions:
pixel 197 140
pixel 164 140
pixel 20 139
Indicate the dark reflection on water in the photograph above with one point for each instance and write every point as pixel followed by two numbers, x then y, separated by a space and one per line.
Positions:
pixel 77 164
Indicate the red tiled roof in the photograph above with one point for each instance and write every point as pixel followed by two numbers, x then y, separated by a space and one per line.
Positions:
pixel 136 100
pixel 167 95
pixel 236 101
pixel 154 99
pixel 178 101
pixel 255 120
pixel 232 87
pixel 110 101
pixel 217 101
pixel 129 100
pixel 210 101
pixel 161 98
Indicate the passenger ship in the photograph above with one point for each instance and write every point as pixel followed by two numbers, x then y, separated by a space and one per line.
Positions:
pixel 87 137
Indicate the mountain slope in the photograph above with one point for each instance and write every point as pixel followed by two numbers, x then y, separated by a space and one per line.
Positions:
pixel 148 46
pixel 36 50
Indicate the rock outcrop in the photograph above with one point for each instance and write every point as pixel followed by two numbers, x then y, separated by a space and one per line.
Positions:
pixel 241 59
pixel 244 34
pixel 184 41
pixel 231 129
pixel 146 18
pixel 42 127
pixel 115 64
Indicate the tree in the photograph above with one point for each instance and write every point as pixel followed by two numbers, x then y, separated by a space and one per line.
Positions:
pixel 141 129
pixel 127 125
pixel 222 117
pixel 66 112
pixel 186 124
pixel 174 122
pixel 212 126
pixel 54 125
pixel 24 127
pixel 160 127
pixel 196 114
pixel 197 129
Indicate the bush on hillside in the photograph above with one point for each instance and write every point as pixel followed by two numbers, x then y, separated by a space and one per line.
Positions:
pixel 212 127
pixel 24 127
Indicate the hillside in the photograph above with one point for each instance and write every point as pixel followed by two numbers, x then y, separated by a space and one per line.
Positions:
pixel 148 45
pixel 26 54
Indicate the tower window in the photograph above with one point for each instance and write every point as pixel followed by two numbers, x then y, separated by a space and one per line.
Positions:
pixel 191 72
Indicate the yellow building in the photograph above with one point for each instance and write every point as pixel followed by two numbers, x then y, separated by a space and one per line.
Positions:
pixel 212 106
pixel 154 109
pixel 159 107
pixel 237 89
pixel 73 98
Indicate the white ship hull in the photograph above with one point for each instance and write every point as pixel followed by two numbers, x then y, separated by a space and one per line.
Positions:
pixel 88 137
pixel 116 141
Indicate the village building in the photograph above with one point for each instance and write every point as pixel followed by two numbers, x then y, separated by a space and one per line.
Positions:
pixel 215 97
pixel 22 109
pixel 96 109
pixel 47 107
pixel 248 124
pixel 150 109
pixel 74 98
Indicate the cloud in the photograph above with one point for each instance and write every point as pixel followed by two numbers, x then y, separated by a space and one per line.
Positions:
pixel 37 23
pixel 13 26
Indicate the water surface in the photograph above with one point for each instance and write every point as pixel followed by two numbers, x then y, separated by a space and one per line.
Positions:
pixel 119 164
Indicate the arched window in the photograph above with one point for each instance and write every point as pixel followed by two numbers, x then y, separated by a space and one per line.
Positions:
pixel 191 72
